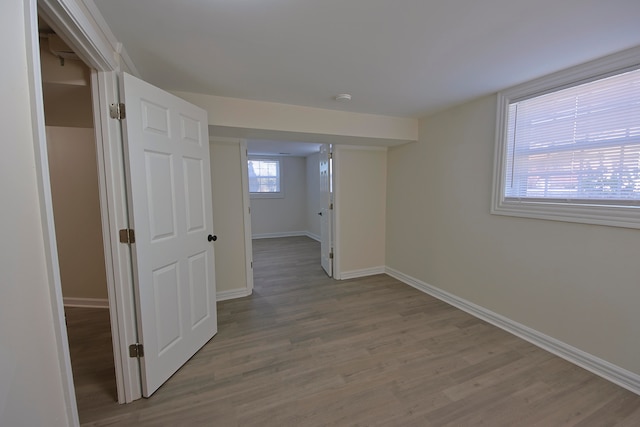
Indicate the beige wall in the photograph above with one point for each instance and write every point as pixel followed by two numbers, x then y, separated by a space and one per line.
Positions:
pixel 313 194
pixel 270 120
pixel 360 197
pixel 30 380
pixel 574 282
pixel 72 105
pixel 76 203
pixel 272 216
pixel 66 91
pixel 228 221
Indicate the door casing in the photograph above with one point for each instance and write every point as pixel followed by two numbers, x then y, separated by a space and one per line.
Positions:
pixel 326 210
pixel 75 23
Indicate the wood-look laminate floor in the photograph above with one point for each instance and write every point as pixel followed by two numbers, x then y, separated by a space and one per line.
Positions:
pixel 306 350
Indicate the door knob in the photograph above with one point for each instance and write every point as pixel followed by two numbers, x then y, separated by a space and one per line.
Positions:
pixel 212 238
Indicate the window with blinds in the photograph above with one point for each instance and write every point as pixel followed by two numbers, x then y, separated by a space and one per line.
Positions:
pixel 569 145
pixel 580 144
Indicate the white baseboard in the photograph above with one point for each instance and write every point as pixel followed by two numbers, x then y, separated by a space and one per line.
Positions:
pixel 313 236
pixel 86 302
pixel 286 234
pixel 353 274
pixel 600 367
pixel 276 235
pixel 233 294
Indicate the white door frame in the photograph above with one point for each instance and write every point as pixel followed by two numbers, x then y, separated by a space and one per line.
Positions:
pixel 246 213
pixel 336 213
pixel 117 256
pixel 326 210
pixel 82 27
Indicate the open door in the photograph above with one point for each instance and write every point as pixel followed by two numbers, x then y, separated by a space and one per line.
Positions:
pixel 170 210
pixel 326 211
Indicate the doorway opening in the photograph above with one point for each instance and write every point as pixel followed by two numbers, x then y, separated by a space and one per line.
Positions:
pixel 290 186
pixel 73 173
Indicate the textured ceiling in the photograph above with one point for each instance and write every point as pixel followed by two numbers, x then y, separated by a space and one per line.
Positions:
pixel 396 57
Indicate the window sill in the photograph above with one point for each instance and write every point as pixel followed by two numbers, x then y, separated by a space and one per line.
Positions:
pixel 614 216
pixel 279 195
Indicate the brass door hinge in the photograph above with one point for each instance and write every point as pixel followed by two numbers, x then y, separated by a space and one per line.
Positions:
pixel 136 350
pixel 117 111
pixel 127 236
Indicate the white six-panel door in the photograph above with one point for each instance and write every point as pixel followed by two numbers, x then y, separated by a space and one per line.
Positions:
pixel 325 211
pixel 170 208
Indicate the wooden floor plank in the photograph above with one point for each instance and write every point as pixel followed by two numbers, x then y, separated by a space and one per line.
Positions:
pixel 306 350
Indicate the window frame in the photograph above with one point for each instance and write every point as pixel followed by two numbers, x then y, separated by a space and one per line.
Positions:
pixel 273 195
pixel 589 213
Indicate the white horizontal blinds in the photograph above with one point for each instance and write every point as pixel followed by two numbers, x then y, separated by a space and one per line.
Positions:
pixel 264 176
pixel 580 144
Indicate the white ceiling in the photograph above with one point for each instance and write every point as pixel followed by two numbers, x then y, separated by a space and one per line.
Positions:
pixel 396 57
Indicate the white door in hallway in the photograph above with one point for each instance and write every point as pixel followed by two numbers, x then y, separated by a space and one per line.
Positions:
pixel 170 209
pixel 326 211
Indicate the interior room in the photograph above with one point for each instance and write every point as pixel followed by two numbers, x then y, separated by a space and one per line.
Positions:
pixel 294 211
pixel 485 183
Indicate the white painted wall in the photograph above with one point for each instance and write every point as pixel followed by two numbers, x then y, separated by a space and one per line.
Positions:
pixel 76 204
pixel 287 215
pixel 360 209
pixel 577 283
pixel 31 386
pixel 228 221
pixel 313 195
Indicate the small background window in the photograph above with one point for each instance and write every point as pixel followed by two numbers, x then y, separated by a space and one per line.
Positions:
pixel 264 177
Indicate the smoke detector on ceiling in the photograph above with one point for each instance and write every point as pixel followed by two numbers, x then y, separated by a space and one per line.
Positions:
pixel 343 97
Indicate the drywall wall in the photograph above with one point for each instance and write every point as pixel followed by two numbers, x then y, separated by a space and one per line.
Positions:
pixel 31 392
pixel 228 221
pixel 313 195
pixel 72 105
pixel 66 91
pixel 360 209
pixel 76 209
pixel 242 118
pixel 271 217
pixel 574 282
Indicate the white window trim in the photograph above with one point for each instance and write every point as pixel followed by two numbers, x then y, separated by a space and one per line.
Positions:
pixel 612 215
pixel 279 194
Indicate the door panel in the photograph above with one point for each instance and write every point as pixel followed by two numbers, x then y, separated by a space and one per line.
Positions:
pixel 194 194
pixel 198 270
pixel 325 211
pixel 167 157
pixel 167 307
pixel 160 179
